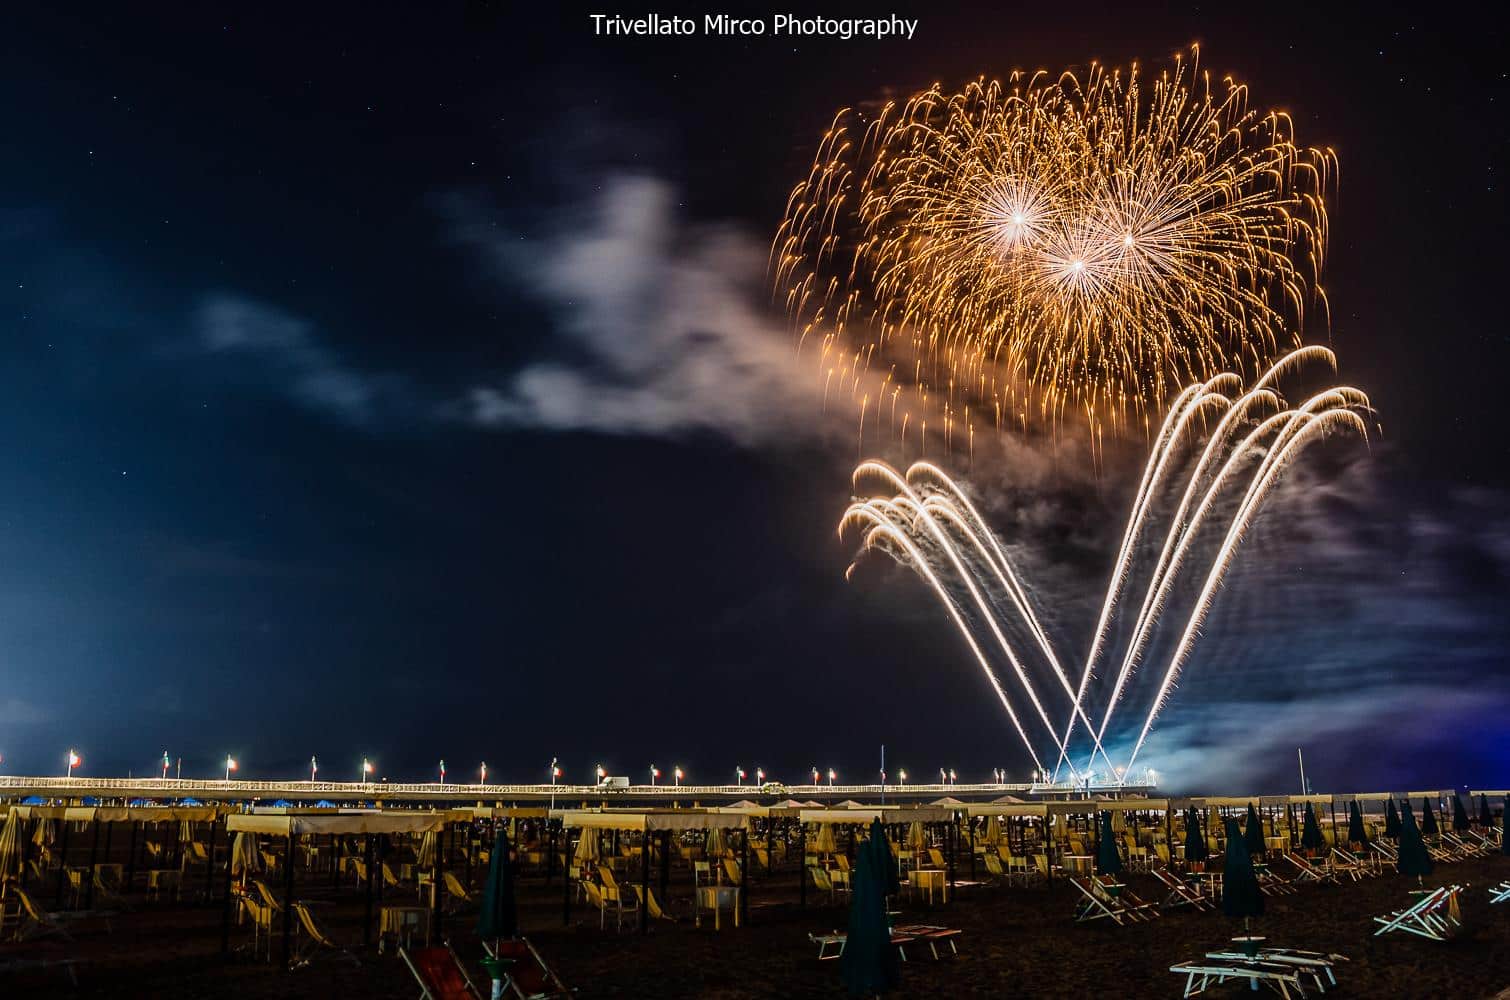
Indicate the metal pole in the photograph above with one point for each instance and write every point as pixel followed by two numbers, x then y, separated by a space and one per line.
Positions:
pixel 288 898
pixel 744 875
pixel 131 858
pixel 225 908
pixel 209 865
pixel 94 853
pixel 971 821
pixel 371 875
pixel 801 862
pixel 645 879
pixel 949 838
pixel 665 864
pixel 1301 757
pixel 62 863
pixel 566 875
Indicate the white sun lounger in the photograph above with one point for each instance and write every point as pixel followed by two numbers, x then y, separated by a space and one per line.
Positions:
pixel 1434 916
pixel 1320 966
pixel 1203 974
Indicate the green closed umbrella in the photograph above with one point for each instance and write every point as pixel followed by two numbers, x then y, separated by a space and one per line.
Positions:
pixel 1240 893
pixel 1428 819
pixel 1392 820
pixel 1460 821
pixel 1355 831
pixel 1108 859
pixel 1505 829
pixel 1195 844
pixel 1413 858
pixel 1310 835
pixel 499 917
pixel 870 963
pixel 1486 818
pixel 1253 837
pixel 886 863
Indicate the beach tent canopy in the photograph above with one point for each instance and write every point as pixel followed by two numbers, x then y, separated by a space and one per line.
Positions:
pixel 123 814
pixel 864 817
pixel 1007 809
pixel 294 824
pixel 648 820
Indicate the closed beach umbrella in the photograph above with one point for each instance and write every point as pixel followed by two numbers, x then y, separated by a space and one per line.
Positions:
pixel 427 850
pixel 1428 819
pixel 716 846
pixel 1108 859
pixel 886 864
pixel 1413 857
pixel 10 847
pixel 1355 831
pixel 1195 844
pixel 823 843
pixel 499 917
pixel 1240 893
pixel 588 851
pixel 993 831
pixel 916 838
pixel 870 964
pixel 1486 818
pixel 1310 836
pixel 1460 819
pixel 1253 837
pixel 1391 820
pixel 244 855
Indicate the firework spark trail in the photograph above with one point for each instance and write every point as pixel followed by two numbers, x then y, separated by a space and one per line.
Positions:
pixel 1242 455
pixel 1052 242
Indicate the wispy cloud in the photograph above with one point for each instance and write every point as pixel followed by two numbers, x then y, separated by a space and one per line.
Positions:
pixel 287 351
pixel 665 330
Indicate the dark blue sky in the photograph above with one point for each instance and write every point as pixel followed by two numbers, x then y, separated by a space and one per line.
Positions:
pixel 400 384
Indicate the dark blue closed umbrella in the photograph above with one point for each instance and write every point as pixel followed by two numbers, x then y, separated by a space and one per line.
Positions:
pixel 1240 893
pixel 1355 831
pixel 1310 835
pixel 1195 844
pixel 1413 858
pixel 500 916
pixel 1253 837
pixel 1392 820
pixel 1108 859
pixel 1428 819
pixel 1486 818
pixel 870 963
pixel 1460 821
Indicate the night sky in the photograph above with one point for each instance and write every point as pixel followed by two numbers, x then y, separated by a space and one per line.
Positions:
pixel 405 384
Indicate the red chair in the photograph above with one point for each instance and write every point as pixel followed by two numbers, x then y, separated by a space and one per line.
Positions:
pixel 440 974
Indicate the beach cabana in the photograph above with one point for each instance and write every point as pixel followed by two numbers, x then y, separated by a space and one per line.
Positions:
pixel 649 823
pixel 293 827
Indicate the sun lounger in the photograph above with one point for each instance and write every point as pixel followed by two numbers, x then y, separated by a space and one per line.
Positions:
pixel 1319 966
pixel 1101 902
pixel 530 978
pixel 1462 846
pixel 1203 974
pixel 932 935
pixel 1500 893
pixel 835 941
pixel 1435 915
pixel 1181 893
pixel 440 974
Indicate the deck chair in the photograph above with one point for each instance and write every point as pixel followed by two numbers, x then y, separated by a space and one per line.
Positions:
pixel 702 872
pixel 731 869
pixel 106 894
pixel 1463 848
pixel 440 974
pixel 605 907
pixel 823 883
pixel 314 943
pixel 262 923
pixel 994 867
pixel 1435 916
pixel 937 857
pixel 1016 865
pixel 610 884
pixel 1181 893
pixel 36 922
pixel 1321 967
pixel 1500 893
pixel 646 897
pixel 269 898
pixel 456 892
pixel 1205 973
pixel 391 879
pixel 530 976
pixel 1099 903
pixel 1307 872
pixel 1346 864
pixel 1270 883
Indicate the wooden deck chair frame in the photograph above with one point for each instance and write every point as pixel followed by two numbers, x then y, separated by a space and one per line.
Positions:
pixel 1345 863
pixel 36 922
pixel 1206 973
pixel 523 946
pixel 426 993
pixel 1500 893
pixel 1181 893
pixel 1307 872
pixel 1434 916
pixel 1094 904
pixel 314 943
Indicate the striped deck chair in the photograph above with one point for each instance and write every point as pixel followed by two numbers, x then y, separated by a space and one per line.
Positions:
pixel 647 899
pixel 1307 872
pixel 440 974
pixel 1435 915
pixel 1347 865
pixel 731 869
pixel 314 943
pixel 457 894
pixel 1181 893
pixel 1099 903
pixel 605 907
pixel 36 922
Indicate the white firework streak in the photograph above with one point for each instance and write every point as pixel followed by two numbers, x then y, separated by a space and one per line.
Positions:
pixel 1242 456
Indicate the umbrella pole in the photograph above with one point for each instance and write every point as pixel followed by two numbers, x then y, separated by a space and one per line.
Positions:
pixel 665 863
pixel 94 854
pixel 970 820
pixel 225 907
pixel 367 912
pixel 801 863
pixel 288 897
pixel 130 858
pixel 209 865
pixel 566 866
pixel 645 880
pixel 744 875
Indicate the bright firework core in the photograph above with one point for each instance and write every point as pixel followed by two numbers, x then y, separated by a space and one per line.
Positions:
pixel 1220 452
pixel 1055 243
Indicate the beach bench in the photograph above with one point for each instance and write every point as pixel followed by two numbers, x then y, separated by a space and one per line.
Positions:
pixel 1181 893
pixel 440 974
pixel 529 976
pixel 933 936
pixel 1435 915
pixel 1100 901
pixel 1203 974
pixel 835 940
pixel 1320 966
